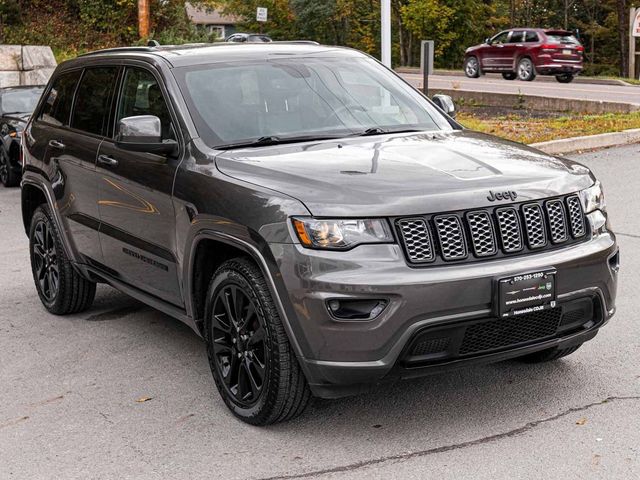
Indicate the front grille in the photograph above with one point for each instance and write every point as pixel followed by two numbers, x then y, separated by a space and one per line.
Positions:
pixel 510 231
pixel 452 244
pixel 431 346
pixel 417 240
pixel 504 332
pixel 576 217
pixel 494 232
pixel 482 236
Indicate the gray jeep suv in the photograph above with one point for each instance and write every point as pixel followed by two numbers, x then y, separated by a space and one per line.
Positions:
pixel 320 223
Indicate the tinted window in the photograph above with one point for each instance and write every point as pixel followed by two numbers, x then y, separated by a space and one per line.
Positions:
pixel 500 38
pixel 93 100
pixel 562 38
pixel 531 37
pixel 517 37
pixel 57 106
pixel 141 95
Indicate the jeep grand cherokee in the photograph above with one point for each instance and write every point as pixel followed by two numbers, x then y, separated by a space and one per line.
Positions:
pixel 320 223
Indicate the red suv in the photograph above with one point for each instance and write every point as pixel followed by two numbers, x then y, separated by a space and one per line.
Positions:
pixel 526 52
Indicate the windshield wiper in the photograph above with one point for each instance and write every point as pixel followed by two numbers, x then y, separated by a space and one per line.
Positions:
pixel 274 140
pixel 381 131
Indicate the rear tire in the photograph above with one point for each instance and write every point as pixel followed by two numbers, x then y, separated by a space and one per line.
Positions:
pixel 509 75
pixel 472 67
pixel 548 355
pixel 526 70
pixel 253 364
pixel 565 78
pixel 7 176
pixel 60 287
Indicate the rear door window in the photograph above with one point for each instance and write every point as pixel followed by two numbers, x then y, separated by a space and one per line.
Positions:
pixel 57 106
pixel 516 37
pixel 93 100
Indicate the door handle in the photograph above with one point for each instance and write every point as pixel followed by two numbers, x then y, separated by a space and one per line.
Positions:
pixel 56 144
pixel 107 160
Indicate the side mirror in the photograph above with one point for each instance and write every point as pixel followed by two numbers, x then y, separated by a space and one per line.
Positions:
pixel 487 41
pixel 143 133
pixel 445 102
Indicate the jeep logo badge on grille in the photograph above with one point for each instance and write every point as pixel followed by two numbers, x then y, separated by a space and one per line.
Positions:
pixel 509 194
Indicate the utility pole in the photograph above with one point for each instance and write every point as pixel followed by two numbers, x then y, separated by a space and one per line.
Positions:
pixel 385 32
pixel 632 42
pixel 143 19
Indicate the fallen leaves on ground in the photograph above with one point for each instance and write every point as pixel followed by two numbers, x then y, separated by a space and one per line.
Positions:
pixel 144 399
pixel 525 129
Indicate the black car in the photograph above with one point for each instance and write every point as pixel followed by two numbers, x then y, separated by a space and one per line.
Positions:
pixel 16 105
pixel 320 223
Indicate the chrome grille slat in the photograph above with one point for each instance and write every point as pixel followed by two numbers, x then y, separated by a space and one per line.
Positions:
pixel 483 238
pixel 576 217
pixel 557 221
pixel 417 240
pixel 451 236
pixel 510 231
pixel 534 225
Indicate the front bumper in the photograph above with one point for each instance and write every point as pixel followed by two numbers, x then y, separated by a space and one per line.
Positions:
pixel 344 357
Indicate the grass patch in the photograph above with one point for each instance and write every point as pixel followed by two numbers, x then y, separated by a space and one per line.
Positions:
pixel 532 130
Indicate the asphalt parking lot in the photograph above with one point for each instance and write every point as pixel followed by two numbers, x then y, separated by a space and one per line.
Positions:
pixel 123 391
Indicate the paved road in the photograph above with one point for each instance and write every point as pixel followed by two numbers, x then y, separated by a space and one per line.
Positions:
pixel 495 84
pixel 68 391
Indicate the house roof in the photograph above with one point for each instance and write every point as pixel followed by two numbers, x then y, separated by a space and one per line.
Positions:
pixel 209 16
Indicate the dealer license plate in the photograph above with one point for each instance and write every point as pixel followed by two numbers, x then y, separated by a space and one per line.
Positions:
pixel 526 293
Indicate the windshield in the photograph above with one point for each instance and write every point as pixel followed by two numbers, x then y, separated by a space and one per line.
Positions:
pixel 20 101
pixel 562 38
pixel 301 97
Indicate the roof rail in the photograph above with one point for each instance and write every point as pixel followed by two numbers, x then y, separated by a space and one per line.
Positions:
pixel 118 49
pixel 303 42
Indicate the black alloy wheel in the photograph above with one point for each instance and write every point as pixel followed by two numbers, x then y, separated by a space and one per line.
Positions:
pixel 239 344
pixel 7 176
pixel 254 367
pixel 45 260
pixel 61 288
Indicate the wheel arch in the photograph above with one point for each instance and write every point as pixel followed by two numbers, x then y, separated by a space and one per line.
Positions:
pixel 32 197
pixel 208 250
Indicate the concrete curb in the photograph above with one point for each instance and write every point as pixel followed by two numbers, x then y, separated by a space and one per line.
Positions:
pixel 589 142
pixel 534 102
pixel 540 78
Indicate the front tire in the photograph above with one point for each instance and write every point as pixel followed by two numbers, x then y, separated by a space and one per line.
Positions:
pixel 253 365
pixel 472 67
pixel 7 176
pixel 549 354
pixel 565 78
pixel 526 70
pixel 60 287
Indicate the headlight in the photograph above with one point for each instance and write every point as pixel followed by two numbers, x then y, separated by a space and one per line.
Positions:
pixel 593 198
pixel 341 234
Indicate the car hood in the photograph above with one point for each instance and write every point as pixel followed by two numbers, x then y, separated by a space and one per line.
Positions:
pixel 404 174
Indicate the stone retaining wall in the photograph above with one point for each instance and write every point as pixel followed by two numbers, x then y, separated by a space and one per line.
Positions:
pixel 25 65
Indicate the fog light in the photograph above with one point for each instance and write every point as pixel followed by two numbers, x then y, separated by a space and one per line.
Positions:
pixel 356 309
